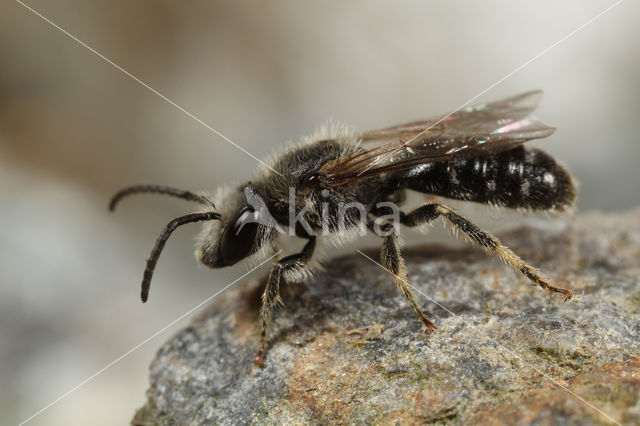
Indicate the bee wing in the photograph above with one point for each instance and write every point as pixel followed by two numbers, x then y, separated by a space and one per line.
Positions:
pixel 470 132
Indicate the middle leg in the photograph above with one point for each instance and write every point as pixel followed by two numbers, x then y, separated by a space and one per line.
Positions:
pixel 392 260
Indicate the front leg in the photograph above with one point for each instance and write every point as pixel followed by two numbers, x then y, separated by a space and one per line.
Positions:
pixel 293 264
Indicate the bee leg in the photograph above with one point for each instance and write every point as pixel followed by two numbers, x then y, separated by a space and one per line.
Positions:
pixel 392 260
pixel 485 240
pixel 295 264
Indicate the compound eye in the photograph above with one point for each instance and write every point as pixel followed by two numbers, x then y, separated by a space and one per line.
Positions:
pixel 239 237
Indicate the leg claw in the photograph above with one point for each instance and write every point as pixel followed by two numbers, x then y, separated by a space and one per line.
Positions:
pixel 430 328
pixel 259 360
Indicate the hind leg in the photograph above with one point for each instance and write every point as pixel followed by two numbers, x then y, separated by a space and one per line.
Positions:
pixel 485 240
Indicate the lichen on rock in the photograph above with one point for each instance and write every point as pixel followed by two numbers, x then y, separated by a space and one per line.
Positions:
pixel 347 348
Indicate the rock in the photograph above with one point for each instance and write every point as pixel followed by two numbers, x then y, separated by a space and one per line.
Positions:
pixel 347 348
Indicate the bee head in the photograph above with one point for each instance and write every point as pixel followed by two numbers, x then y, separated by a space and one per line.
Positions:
pixel 245 228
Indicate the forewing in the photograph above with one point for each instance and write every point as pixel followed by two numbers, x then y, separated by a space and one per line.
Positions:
pixel 473 131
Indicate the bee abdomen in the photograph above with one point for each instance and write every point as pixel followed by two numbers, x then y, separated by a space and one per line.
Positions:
pixel 518 178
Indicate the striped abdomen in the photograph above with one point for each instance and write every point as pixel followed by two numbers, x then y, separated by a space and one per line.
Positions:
pixel 519 178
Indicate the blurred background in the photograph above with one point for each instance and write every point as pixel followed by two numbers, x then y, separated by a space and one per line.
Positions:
pixel 73 129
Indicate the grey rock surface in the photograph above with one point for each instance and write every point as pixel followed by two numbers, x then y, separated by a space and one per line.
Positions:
pixel 347 348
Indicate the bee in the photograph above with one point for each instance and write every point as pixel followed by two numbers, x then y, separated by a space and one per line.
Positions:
pixel 333 184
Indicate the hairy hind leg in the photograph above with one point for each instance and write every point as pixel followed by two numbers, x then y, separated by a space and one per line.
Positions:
pixel 485 240
pixel 393 262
